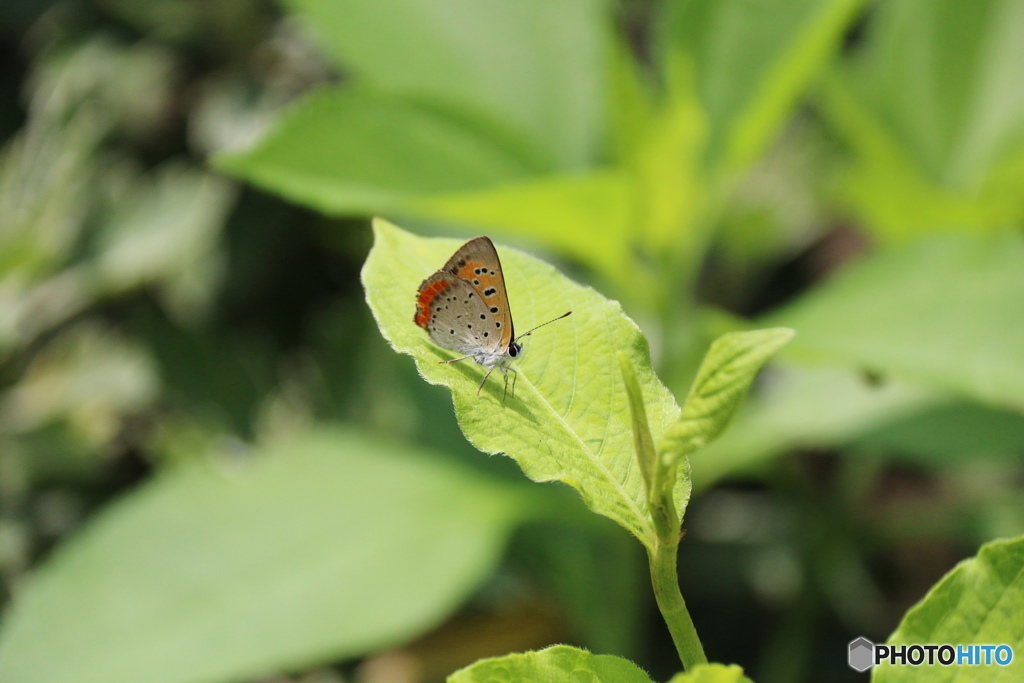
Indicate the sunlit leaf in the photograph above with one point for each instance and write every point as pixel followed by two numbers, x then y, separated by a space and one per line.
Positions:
pixel 643 442
pixel 553 665
pixel 569 419
pixel 712 673
pixel 979 602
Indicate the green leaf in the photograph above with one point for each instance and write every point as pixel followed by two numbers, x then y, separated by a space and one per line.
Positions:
pixel 667 168
pixel 88 375
pixel 753 60
pixel 353 151
pixel 725 375
pixel 643 442
pixel 533 67
pixel 934 118
pixel 552 665
pixel 942 75
pixel 805 408
pixel 586 216
pixel 169 221
pixel 348 152
pixel 712 673
pixel 895 197
pixel 952 432
pixel 978 602
pixel 326 547
pixel 947 313
pixel 569 419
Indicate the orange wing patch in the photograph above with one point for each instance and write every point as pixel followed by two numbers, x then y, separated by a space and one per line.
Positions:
pixel 477 263
pixel 429 290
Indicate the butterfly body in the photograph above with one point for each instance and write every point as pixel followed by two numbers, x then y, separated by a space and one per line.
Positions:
pixel 464 308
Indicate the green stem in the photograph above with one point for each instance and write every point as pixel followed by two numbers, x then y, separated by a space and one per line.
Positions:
pixel 673 607
pixel 665 580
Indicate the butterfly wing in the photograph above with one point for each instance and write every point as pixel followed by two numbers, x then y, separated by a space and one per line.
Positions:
pixel 453 313
pixel 477 263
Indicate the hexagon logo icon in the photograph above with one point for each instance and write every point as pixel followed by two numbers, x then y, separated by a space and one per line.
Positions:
pixel 861 654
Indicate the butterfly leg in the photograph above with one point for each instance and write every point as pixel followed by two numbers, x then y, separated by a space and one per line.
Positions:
pixel 489 371
pixel 505 371
pixel 453 360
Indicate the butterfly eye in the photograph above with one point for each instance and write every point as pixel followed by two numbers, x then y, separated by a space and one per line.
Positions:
pixel 514 349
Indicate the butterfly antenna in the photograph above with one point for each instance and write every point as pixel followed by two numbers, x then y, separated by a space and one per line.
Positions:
pixel 527 334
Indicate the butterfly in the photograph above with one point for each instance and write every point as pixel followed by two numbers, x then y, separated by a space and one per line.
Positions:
pixel 464 307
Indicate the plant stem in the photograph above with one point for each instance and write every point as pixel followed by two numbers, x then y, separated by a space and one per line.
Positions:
pixel 665 581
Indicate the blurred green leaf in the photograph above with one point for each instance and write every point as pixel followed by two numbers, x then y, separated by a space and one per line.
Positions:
pixel 804 408
pixel 893 195
pixel 934 117
pixel 978 602
pixel 631 98
pixel 535 68
pixel 569 419
pixel 82 220
pixel 349 152
pixel 322 548
pixel 45 196
pixel 353 151
pixel 89 376
pixel 667 170
pixel 943 76
pixel 947 313
pixel 951 433
pixel 753 60
pixel 587 216
pixel 125 86
pixel 552 665
pixel 167 222
pixel 494 126
pixel 712 673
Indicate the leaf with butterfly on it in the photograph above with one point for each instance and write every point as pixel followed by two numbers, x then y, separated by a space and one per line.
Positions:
pixel 569 419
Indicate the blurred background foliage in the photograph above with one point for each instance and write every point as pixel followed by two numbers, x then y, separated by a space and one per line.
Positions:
pixel 213 468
